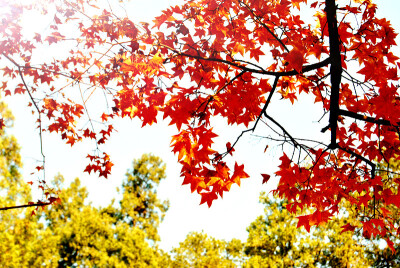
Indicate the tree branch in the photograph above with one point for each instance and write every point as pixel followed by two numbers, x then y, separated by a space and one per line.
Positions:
pixel 264 109
pixel 305 69
pixel 37 108
pixel 369 119
pixel 295 143
pixel 257 18
pixel 336 67
pixel 25 206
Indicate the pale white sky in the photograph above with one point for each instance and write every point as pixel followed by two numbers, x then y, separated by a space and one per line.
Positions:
pixel 228 217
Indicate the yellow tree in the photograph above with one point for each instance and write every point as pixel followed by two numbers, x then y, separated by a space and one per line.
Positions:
pixel 200 250
pixel 115 236
pixel 75 233
pixel 18 228
pixel 275 241
pixel 233 60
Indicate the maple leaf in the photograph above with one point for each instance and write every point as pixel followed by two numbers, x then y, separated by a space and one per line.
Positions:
pixel 390 245
pixel 266 178
pixel 196 183
pixel 54 200
pixel 204 64
pixel 238 174
pixel 57 20
pixel 296 59
pixel 208 197
pixel 296 3
pixel 89 134
pixel 304 221
pixel 71 140
pixel 88 168
pixel 39 168
pixel 183 30
pixel 348 227
pixel 229 148
pixel 256 53
pixel 54 37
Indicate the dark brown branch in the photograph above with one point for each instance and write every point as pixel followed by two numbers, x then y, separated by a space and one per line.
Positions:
pixel 358 156
pixel 292 139
pixel 257 18
pixel 367 118
pixel 306 68
pixel 336 67
pixel 264 109
pixel 295 143
pixel 26 206
pixel 218 91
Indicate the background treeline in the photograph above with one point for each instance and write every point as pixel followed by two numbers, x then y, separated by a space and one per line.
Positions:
pixel 73 233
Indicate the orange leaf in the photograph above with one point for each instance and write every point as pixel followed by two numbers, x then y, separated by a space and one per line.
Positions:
pixel 238 174
pixel 208 197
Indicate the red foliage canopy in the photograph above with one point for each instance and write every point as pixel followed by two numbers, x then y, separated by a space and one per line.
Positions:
pixel 209 58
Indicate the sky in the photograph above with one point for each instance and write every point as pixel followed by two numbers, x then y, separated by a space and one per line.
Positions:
pixel 228 217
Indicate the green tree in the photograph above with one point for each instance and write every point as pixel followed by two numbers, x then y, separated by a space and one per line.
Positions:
pixel 275 241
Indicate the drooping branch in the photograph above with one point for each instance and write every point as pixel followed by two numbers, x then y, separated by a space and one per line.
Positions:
pixel 36 107
pixel 263 111
pixel 294 140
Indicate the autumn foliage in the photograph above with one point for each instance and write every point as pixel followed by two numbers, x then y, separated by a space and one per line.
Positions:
pixel 228 59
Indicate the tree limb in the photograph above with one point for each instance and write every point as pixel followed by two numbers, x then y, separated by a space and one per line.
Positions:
pixel 336 67
pixel 369 119
pixel 25 206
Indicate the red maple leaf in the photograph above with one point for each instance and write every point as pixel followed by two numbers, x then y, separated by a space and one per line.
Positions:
pixel 195 81
pixel 296 59
pixel 266 178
